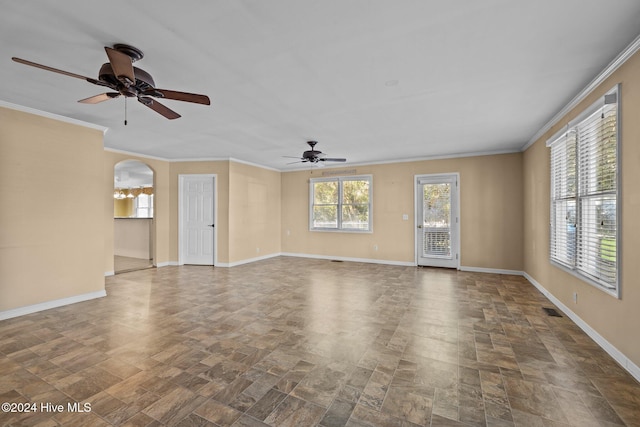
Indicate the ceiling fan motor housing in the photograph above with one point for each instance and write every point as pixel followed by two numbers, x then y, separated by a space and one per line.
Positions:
pixel 143 82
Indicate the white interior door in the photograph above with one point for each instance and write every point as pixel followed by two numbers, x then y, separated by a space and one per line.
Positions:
pixel 437 228
pixel 197 219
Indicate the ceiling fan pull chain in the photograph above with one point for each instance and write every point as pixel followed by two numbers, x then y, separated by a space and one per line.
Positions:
pixel 125 110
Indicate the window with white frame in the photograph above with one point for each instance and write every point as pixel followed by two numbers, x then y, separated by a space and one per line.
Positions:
pixel 341 204
pixel 584 226
pixel 144 206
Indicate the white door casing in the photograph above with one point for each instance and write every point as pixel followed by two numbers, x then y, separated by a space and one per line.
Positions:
pixel 197 233
pixel 437 220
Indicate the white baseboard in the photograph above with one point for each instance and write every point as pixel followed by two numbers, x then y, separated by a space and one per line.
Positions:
pixel 623 360
pixel 21 311
pixel 349 259
pixel 491 270
pixel 109 273
pixel 167 264
pixel 247 261
pixel 299 255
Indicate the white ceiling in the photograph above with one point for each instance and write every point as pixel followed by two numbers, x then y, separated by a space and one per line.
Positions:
pixel 371 80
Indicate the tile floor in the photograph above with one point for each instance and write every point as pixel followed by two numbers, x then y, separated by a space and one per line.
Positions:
pixel 302 342
pixel 124 264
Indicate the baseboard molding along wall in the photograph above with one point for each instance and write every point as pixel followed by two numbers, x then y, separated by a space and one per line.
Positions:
pixel 30 309
pixel 619 357
pixel 491 270
pixel 167 264
pixel 246 261
pixel 349 259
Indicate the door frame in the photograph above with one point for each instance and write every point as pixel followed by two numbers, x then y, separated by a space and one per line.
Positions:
pixel 181 200
pixel 456 224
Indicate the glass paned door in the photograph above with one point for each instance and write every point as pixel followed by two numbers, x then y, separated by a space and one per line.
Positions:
pixel 437 227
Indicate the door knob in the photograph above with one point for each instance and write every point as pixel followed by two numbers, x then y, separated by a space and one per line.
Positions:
pixel 212 225
pixel 419 226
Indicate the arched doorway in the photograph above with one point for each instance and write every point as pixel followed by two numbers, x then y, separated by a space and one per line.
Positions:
pixel 133 203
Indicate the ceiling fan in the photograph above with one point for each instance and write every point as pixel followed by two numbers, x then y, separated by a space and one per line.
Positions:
pixel 124 79
pixel 315 156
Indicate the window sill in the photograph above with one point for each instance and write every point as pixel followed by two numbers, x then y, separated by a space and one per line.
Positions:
pixel 334 230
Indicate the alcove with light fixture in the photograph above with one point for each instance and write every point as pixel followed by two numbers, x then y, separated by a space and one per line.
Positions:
pixel 133 201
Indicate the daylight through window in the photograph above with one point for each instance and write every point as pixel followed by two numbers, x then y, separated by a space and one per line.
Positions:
pixel 341 204
pixel 584 226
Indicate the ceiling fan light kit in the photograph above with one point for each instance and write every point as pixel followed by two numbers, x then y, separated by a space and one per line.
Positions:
pixel 124 79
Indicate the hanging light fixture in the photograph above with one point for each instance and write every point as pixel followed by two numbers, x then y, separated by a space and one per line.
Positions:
pixel 119 194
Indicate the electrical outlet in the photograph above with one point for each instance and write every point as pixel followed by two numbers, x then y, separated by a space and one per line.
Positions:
pixel 375 247
pixel 405 217
pixel 257 250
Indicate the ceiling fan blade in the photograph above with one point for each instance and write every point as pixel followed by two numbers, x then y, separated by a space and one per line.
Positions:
pixel 327 159
pixel 179 96
pixel 100 98
pixel 122 65
pixel 56 70
pixel 158 108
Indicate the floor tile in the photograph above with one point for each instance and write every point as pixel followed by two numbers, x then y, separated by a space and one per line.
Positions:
pixel 291 341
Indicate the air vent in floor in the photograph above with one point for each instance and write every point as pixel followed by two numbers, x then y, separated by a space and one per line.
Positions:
pixel 552 312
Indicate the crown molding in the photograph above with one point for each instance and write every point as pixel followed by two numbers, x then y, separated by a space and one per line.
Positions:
pixel 627 53
pixel 244 162
pixel 408 160
pixel 134 154
pixel 49 115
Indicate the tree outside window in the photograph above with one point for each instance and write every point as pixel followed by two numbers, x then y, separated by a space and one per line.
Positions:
pixel 341 204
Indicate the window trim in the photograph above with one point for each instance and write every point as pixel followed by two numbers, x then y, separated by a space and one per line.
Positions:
pixel 615 291
pixel 149 208
pixel 340 180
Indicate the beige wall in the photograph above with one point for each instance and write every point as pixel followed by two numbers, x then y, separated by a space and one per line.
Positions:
pixel 247 209
pixel 491 212
pixel 161 211
pixel 616 320
pixel 133 237
pixel 254 212
pixel 51 206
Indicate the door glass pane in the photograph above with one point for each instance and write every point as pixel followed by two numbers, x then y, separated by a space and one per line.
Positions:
pixel 436 221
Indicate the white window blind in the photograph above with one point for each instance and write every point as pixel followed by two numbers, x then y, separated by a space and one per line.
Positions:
pixel 584 225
